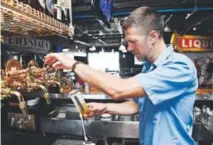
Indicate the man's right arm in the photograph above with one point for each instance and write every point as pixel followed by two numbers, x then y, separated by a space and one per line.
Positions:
pixel 125 108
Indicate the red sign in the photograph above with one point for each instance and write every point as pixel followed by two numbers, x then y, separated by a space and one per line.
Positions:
pixel 192 43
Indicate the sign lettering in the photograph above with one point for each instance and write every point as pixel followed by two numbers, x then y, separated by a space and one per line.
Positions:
pixel 192 43
pixel 25 44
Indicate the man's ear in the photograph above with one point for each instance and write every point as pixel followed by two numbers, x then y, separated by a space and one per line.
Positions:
pixel 154 35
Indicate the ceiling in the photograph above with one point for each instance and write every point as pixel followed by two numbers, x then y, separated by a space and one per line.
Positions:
pixel 194 17
pixel 88 31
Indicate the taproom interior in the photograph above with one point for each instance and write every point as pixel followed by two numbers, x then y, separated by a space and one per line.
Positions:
pixel 38 105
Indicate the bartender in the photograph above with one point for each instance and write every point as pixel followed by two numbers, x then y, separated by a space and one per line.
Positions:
pixel 163 93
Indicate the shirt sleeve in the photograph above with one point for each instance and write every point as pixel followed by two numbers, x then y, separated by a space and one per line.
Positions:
pixel 135 100
pixel 168 81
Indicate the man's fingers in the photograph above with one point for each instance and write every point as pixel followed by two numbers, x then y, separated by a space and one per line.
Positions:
pixel 49 55
pixel 51 62
pixel 88 116
pixel 85 116
pixel 58 65
pixel 91 109
pixel 50 58
pixel 90 105
pixel 94 109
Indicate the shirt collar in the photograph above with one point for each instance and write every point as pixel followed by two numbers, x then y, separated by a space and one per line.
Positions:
pixel 164 55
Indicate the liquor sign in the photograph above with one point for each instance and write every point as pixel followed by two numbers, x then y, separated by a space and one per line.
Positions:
pixel 26 44
pixel 192 43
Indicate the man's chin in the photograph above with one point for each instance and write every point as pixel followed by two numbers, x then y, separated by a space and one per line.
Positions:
pixel 141 59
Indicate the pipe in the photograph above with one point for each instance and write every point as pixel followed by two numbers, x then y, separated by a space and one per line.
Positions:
pixel 169 10
pixel 97 45
pixel 70 12
pixel 184 9
pixel 158 10
pixel 5 92
pixel 46 94
pixel 16 73
pixel 81 43
pixel 55 82
pixel 38 71
pixel 83 16
pixel 107 45
pixel 22 104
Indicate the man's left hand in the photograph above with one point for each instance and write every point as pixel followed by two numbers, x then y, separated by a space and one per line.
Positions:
pixel 59 60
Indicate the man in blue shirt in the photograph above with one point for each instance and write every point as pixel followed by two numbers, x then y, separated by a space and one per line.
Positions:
pixel 163 93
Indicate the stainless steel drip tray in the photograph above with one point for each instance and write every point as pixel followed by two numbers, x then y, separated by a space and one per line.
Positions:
pixel 102 129
pixel 66 120
pixel 72 142
pixel 66 112
pixel 69 112
pixel 94 128
pixel 58 115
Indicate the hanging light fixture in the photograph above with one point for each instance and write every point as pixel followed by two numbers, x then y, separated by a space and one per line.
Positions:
pixel 113 51
pixel 167 29
pixel 102 50
pixel 93 48
pixel 122 48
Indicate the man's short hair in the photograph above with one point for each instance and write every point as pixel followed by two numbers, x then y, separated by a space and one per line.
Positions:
pixel 145 18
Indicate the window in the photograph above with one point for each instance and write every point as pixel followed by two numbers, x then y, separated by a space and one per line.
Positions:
pixel 104 60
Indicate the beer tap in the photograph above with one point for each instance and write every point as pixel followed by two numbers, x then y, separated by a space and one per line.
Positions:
pixel 54 82
pixel 34 82
pixel 46 94
pixel 14 77
pixel 66 85
pixel 7 92
pixel 33 85
pixel 17 73
pixel 53 78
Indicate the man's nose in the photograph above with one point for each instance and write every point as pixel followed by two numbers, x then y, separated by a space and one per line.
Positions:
pixel 129 47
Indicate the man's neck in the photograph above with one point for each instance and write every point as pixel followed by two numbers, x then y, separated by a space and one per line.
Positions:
pixel 157 51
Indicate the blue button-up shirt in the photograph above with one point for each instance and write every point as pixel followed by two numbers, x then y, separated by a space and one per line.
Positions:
pixel 166 113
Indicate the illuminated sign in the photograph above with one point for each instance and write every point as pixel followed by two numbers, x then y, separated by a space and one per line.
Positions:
pixel 192 43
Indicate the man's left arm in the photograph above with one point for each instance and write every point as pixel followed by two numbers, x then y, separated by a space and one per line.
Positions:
pixel 176 77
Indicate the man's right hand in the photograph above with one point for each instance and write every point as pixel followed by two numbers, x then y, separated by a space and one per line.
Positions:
pixel 95 109
pixel 125 108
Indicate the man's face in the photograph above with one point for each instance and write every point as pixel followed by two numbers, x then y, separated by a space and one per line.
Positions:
pixel 137 43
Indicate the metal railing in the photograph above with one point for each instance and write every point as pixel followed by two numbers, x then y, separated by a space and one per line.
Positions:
pixel 23 19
